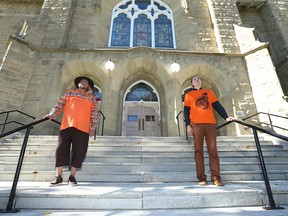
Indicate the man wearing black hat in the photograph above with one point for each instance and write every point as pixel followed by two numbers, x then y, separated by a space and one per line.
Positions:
pixel 78 122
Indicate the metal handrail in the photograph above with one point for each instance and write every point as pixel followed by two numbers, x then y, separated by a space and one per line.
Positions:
pixel 12 122
pixel 10 111
pixel 103 120
pixel 20 160
pixel 7 115
pixel 27 126
pixel 270 120
pixel 261 158
pixel 244 119
pixel 177 117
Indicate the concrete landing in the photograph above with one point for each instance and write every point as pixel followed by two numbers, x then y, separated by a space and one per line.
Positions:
pixel 91 196
pixel 240 211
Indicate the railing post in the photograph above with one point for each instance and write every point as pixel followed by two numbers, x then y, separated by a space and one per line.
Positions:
pixel 270 122
pixel 95 131
pixel 103 120
pixel 6 118
pixel 17 173
pixel 264 172
pixel 178 127
pixel 177 118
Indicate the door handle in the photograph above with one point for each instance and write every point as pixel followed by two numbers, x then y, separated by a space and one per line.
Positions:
pixel 143 124
pixel 139 124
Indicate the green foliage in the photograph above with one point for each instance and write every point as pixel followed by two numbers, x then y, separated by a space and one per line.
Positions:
pixel 285 97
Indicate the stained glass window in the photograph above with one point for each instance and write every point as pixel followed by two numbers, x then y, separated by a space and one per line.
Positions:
pixel 97 94
pixel 142 31
pixel 142 4
pixel 151 20
pixel 121 31
pixel 159 6
pixel 124 6
pixel 142 92
pixel 163 32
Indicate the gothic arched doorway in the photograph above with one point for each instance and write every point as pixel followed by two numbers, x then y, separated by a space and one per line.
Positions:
pixel 141 110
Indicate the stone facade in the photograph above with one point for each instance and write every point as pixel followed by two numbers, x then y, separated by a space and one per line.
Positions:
pixel 239 50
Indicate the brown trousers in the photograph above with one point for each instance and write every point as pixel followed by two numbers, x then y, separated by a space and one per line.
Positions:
pixel 79 142
pixel 207 131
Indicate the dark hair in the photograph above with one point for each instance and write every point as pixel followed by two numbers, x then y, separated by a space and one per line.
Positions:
pixel 193 77
pixel 78 79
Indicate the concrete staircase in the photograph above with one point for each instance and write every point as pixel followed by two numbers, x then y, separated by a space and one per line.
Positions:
pixel 143 173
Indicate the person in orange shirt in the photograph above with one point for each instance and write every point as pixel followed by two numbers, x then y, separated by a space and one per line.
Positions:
pixel 78 122
pixel 201 123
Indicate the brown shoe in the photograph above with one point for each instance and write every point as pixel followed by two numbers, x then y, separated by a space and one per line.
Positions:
pixel 202 183
pixel 72 181
pixel 57 181
pixel 218 182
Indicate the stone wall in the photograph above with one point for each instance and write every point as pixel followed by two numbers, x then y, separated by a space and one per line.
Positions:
pixel 224 16
pixel 56 17
pixel 16 71
pixel 275 16
pixel 266 24
pixel 282 71
pixel 267 91
pixel 90 25
pixel 12 17
pixel 194 29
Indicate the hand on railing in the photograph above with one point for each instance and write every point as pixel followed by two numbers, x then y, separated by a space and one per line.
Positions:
pixel 48 116
pixel 230 118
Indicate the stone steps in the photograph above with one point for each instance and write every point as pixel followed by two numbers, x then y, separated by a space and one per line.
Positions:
pixel 144 167
pixel 154 176
pixel 141 173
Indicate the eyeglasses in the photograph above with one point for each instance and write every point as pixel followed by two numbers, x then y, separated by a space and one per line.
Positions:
pixel 83 82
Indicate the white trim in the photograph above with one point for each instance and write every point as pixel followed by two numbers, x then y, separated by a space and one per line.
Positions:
pixel 95 86
pixel 141 81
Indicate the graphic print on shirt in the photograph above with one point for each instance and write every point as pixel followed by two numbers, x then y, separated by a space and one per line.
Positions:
pixel 202 102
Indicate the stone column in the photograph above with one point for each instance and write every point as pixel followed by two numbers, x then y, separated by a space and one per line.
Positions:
pixel 224 15
pixel 56 16
pixel 266 87
pixel 16 70
pixel 274 15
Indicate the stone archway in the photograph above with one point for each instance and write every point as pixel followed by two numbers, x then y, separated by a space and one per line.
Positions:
pixel 141 110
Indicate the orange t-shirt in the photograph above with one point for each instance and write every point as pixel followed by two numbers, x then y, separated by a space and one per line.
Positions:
pixel 200 103
pixel 79 110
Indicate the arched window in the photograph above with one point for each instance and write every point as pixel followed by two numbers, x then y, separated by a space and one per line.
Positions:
pixel 142 23
pixel 141 92
pixel 97 93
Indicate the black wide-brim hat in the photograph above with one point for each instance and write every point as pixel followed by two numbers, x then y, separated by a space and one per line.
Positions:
pixel 78 79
